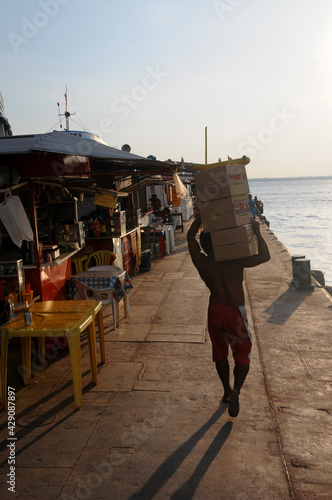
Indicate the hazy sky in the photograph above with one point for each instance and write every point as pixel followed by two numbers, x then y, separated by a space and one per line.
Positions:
pixel 154 73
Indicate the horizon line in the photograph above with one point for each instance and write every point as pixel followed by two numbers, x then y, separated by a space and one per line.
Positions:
pixel 291 177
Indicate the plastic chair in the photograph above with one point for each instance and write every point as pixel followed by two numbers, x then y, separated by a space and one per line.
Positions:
pixel 171 237
pixel 107 268
pixel 104 295
pixel 149 240
pixel 100 258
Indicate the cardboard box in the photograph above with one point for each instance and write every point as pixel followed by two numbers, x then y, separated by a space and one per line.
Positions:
pixel 235 243
pixel 27 296
pixel 221 182
pixel 13 298
pixel 225 212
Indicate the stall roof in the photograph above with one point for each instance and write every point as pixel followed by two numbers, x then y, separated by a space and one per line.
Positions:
pixel 62 143
pixel 68 144
pixel 90 189
pixel 145 182
pixel 104 159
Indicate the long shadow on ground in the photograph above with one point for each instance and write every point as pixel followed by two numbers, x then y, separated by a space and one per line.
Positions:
pixel 173 462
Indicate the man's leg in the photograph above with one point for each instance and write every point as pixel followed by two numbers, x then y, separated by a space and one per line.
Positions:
pixel 241 346
pixel 240 373
pixel 222 367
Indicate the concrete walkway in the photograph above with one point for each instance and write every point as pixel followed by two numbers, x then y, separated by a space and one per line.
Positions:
pixel 154 426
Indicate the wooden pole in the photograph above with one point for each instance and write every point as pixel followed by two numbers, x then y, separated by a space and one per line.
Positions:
pixel 205 145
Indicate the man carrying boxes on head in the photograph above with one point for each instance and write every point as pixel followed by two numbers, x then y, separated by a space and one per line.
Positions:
pixel 232 241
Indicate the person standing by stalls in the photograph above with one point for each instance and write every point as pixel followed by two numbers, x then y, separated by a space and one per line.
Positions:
pixel 167 216
pixel 227 320
pixel 259 205
pixel 155 203
pixel 252 206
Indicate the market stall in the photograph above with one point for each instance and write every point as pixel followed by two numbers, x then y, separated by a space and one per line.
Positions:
pixel 50 174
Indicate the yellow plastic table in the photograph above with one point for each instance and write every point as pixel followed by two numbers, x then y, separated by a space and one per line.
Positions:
pixel 59 306
pixel 49 324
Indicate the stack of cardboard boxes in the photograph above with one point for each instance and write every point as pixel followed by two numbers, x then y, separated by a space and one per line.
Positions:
pixel 222 195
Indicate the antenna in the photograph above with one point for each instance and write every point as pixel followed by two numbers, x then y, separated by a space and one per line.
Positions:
pixel 66 113
pixel 59 114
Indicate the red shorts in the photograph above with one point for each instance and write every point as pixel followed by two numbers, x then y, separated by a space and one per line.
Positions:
pixel 228 326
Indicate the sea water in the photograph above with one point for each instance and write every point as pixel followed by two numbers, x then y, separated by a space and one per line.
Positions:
pixel 299 210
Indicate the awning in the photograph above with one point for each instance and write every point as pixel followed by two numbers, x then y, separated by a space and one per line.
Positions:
pixel 143 183
pixel 62 143
pixel 81 188
pixel 104 160
pixel 68 144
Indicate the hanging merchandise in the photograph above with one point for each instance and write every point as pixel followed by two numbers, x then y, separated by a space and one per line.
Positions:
pixel 15 220
pixel 105 200
pixel 181 190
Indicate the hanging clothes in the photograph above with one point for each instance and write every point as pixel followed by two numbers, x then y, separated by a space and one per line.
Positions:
pixel 180 188
pixel 15 220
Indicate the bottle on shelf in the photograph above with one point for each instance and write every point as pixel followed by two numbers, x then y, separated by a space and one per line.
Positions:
pixel 103 226
pixel 91 227
pixel 97 225
pixel 86 229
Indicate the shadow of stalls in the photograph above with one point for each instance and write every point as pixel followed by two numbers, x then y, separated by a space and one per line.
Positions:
pixel 285 305
pixel 174 461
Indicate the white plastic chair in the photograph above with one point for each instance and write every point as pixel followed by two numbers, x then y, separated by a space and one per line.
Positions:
pixel 149 239
pixel 104 295
pixel 126 298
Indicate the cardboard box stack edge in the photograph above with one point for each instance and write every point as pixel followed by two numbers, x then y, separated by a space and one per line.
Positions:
pixel 222 196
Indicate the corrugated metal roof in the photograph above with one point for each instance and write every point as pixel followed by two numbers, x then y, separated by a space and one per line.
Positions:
pixel 63 143
pixel 147 181
pixel 83 189
pixel 16 144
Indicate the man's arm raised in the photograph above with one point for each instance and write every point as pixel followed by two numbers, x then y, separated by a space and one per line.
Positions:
pixel 194 249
